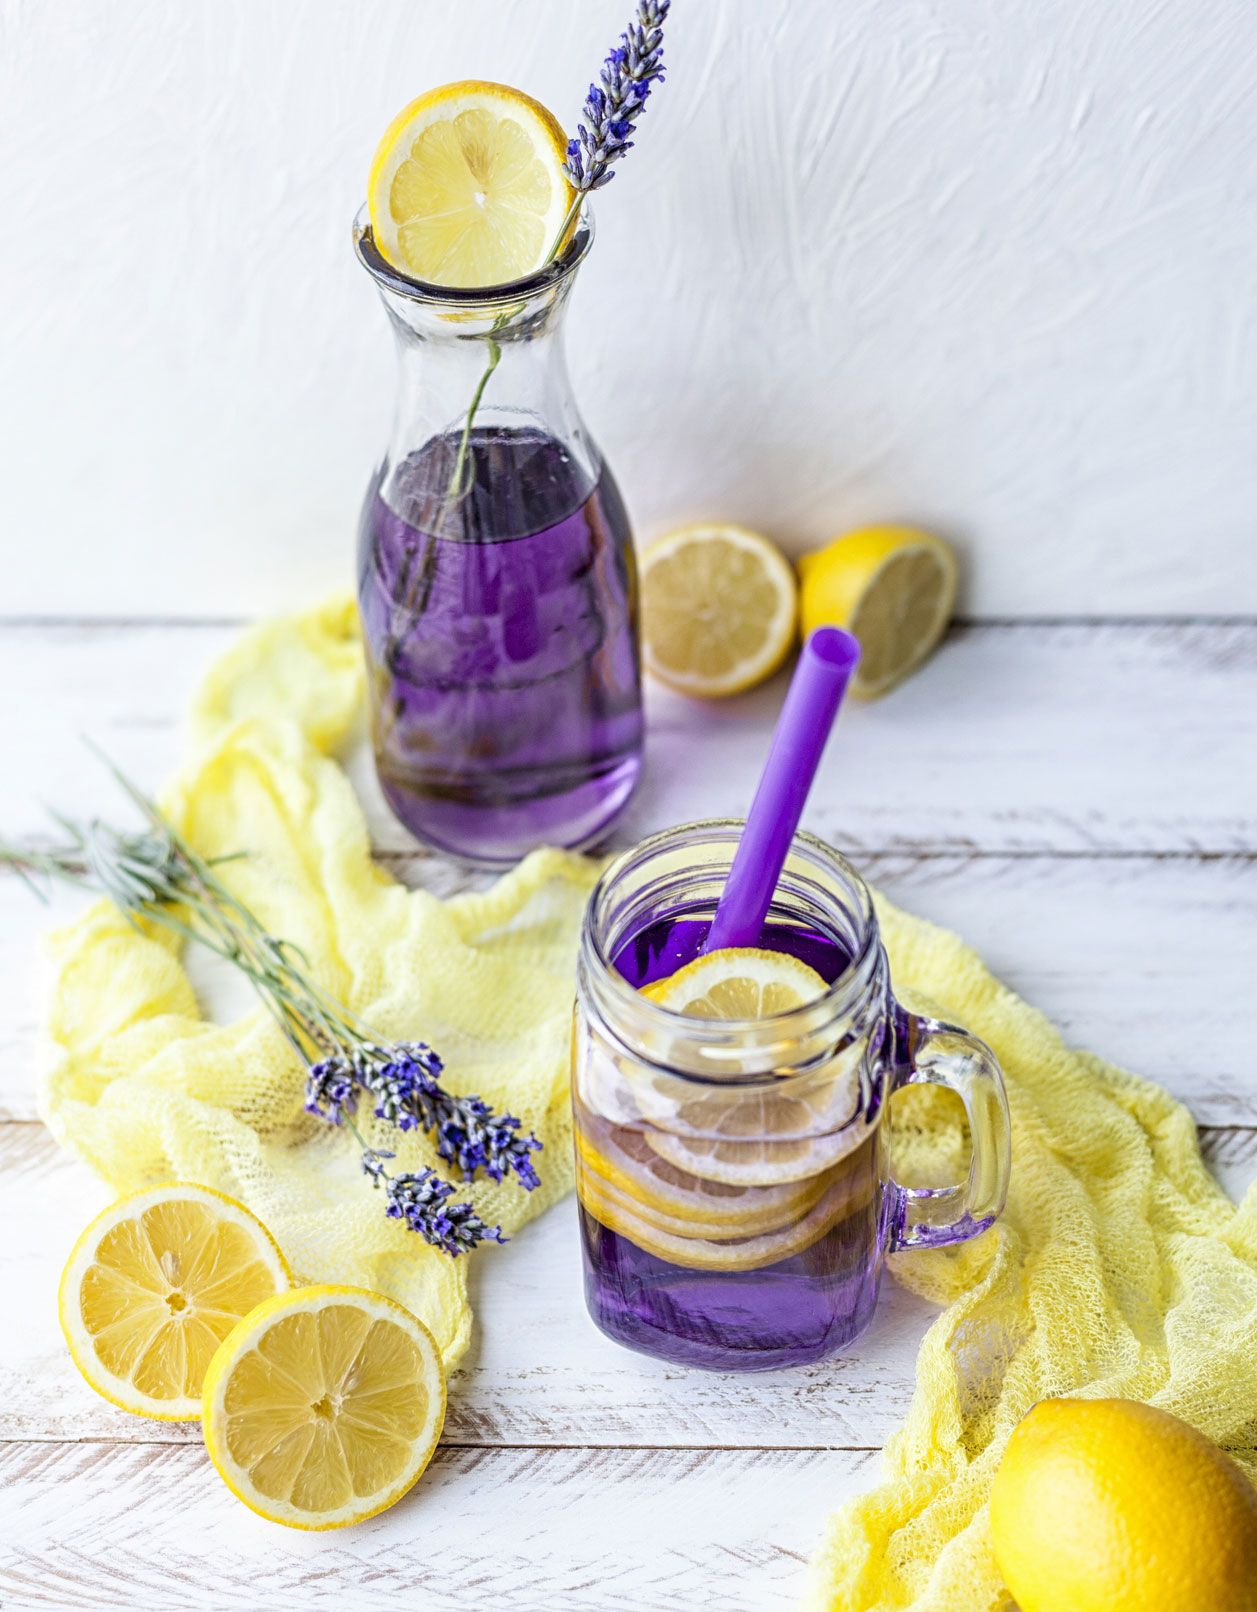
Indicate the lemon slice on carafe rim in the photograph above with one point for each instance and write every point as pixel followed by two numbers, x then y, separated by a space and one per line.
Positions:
pixel 467 187
pixel 154 1285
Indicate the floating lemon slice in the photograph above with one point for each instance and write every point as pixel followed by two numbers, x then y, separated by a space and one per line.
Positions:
pixel 154 1285
pixel 719 605
pixel 892 586
pixel 467 186
pixel 739 982
pixel 757 1163
pixel 618 1213
pixel 761 1136
pixel 323 1406
pixel 623 1160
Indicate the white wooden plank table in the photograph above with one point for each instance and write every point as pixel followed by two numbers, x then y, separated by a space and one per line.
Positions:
pixel 1078 798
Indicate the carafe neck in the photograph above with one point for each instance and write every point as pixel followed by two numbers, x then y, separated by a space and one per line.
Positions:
pixel 482 378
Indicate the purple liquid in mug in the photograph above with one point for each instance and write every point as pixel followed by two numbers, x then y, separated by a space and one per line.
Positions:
pixel 790 1312
pixel 501 646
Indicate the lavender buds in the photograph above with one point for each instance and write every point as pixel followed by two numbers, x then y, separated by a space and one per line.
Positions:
pixel 402 1082
pixel 613 106
pixel 156 875
pixel 420 1201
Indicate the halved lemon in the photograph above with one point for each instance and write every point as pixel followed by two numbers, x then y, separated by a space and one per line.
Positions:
pixel 719 606
pixel 894 587
pixel 467 186
pixel 154 1285
pixel 851 1191
pixel 677 1200
pixel 323 1406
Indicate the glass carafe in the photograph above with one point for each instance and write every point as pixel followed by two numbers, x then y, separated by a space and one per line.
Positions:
pixel 496 579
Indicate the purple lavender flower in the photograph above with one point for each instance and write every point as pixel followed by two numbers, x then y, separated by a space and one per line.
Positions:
pixel 422 1200
pixel 408 1094
pixel 613 106
pixel 331 1090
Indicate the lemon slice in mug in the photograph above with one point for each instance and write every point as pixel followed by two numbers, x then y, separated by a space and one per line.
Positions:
pixel 467 187
pixel 770 1136
pixel 676 1199
pixel 850 1193
pixel 154 1285
pixel 323 1406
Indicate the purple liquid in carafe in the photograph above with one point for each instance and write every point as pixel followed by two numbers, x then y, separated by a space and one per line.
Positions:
pixel 784 1312
pixel 500 633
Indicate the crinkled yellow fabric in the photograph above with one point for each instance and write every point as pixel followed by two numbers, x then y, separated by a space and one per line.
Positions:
pixel 145 1088
pixel 1119 1268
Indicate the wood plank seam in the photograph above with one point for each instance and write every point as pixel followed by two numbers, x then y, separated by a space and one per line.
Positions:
pixel 36 620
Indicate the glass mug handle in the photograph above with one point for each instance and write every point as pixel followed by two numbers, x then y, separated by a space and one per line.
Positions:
pixel 930 1217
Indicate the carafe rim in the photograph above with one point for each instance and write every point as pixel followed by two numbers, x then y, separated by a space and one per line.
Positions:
pixel 553 275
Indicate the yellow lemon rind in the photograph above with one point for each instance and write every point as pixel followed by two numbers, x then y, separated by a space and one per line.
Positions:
pixel 837 580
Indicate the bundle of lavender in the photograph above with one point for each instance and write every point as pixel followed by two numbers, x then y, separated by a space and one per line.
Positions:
pixel 155 874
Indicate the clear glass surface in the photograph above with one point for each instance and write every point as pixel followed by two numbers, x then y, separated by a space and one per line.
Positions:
pixel 496 579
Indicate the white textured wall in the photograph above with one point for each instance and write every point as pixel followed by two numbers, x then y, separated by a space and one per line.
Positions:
pixel 990 264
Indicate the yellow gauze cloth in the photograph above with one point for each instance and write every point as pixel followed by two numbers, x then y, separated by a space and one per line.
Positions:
pixel 146 1089
pixel 1119 1268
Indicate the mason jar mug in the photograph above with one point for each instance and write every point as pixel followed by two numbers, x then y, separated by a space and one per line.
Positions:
pixel 736 1193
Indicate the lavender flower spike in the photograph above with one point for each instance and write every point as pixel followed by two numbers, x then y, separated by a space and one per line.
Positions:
pixel 613 106
pixel 421 1201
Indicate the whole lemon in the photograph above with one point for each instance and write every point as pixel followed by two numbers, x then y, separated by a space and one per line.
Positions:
pixel 1107 1505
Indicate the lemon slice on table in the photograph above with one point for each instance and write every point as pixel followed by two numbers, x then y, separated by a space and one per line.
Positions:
pixel 323 1406
pixel 894 587
pixel 618 1213
pixel 719 605
pixel 467 186
pixel 154 1285
pixel 623 1160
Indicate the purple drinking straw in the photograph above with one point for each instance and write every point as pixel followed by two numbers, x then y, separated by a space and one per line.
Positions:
pixel 820 680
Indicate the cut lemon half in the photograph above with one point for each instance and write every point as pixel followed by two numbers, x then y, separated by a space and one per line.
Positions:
pixel 152 1288
pixel 467 186
pixel 719 606
pixel 618 1213
pixel 323 1406
pixel 894 587
pixel 623 1160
